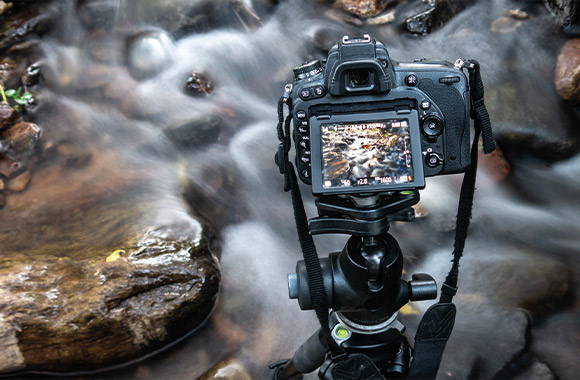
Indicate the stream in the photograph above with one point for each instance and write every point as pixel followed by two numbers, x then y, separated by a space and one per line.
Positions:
pixel 523 247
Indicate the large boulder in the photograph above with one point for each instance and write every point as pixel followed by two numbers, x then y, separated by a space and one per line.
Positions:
pixel 98 268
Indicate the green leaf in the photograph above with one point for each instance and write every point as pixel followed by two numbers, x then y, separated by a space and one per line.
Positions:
pixel 10 93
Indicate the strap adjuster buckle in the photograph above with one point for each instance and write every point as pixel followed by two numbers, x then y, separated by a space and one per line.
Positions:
pixel 282 157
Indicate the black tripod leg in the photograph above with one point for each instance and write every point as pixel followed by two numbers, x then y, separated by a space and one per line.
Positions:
pixel 307 358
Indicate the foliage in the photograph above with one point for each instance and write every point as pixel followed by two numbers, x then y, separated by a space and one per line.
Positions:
pixel 19 97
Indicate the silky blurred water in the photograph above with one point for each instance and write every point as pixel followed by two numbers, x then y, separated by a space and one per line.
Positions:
pixel 254 321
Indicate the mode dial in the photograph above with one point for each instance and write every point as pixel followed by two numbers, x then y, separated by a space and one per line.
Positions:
pixel 307 70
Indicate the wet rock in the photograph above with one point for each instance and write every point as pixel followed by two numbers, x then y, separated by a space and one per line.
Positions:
pixel 4 7
pixel 432 14
pixel 537 371
pixel 518 14
pixel 567 75
pixel 19 183
pixel 199 84
pixel 148 53
pixel 527 130
pixel 24 21
pixel 10 72
pixel 195 132
pixel 364 8
pixel 9 167
pixel 567 13
pixel 228 369
pixel 8 116
pixel 31 76
pixel 98 13
pixel 556 342
pixel 75 299
pixel 23 136
pixel 497 290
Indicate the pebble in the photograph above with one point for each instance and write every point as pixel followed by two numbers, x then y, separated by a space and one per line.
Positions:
pixel 19 183
pixel 8 115
pixel 9 167
pixel 364 8
pixel 518 14
pixel 24 136
pixel 199 84
pixel 567 75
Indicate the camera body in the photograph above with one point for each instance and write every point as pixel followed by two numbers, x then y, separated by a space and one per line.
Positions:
pixel 366 124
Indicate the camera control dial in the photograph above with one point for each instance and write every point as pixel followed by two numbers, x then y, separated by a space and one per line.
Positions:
pixel 307 70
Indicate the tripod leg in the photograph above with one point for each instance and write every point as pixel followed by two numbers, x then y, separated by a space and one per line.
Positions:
pixel 307 358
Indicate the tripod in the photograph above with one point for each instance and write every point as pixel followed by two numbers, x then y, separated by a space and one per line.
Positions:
pixel 364 290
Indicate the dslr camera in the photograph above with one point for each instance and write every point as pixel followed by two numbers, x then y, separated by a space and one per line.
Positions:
pixel 364 123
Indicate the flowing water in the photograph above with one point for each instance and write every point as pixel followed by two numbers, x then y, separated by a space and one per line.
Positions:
pixel 236 186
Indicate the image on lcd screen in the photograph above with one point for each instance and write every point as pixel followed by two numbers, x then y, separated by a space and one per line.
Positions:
pixel 366 153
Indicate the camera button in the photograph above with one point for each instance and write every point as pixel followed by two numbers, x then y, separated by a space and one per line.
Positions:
pixel 425 105
pixel 433 159
pixel 305 93
pixel 432 125
pixel 411 80
pixel 301 114
pixel 303 129
pixel 305 173
pixel 304 144
pixel 319 90
pixel 305 159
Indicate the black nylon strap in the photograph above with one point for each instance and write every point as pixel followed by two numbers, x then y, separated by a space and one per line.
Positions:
pixel 311 261
pixel 437 322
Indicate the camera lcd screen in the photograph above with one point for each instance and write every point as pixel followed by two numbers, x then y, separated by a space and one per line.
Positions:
pixel 376 152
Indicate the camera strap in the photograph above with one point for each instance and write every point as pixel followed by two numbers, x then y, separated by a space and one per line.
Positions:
pixel 311 260
pixel 437 323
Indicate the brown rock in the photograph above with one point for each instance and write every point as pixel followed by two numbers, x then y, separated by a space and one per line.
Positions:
pixel 2 186
pixel 18 184
pixel 227 369
pixel 24 136
pixel 8 166
pixel 364 8
pixel 2 204
pixel 567 76
pixel 8 115
pixel 9 72
pixel 89 300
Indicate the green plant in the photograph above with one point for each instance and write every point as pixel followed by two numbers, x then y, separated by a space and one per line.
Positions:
pixel 19 97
